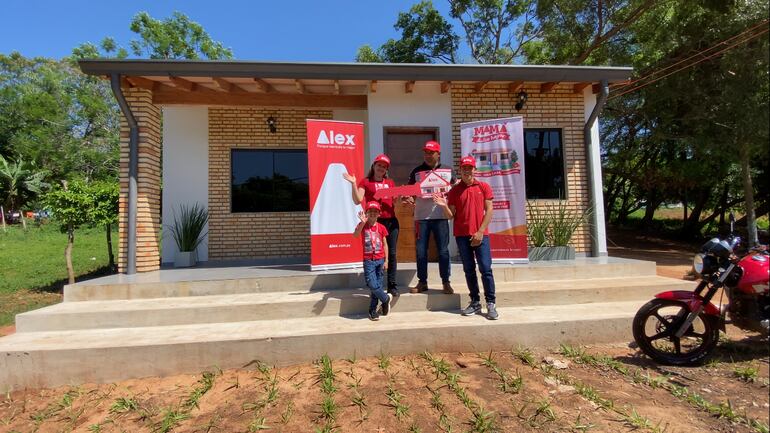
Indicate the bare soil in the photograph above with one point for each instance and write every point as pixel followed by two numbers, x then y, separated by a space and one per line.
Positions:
pixel 600 388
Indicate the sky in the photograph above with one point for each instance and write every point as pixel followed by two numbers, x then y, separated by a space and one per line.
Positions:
pixel 275 30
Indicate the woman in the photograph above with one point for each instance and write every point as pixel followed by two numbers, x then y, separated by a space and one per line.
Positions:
pixel 363 191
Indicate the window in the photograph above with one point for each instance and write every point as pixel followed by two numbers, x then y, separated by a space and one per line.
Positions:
pixel 269 180
pixel 544 164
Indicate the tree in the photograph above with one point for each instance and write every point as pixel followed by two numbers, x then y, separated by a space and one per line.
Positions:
pixel 72 206
pixel 20 181
pixel 105 211
pixel 174 38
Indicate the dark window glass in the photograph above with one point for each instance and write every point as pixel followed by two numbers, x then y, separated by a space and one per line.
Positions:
pixel 269 180
pixel 544 164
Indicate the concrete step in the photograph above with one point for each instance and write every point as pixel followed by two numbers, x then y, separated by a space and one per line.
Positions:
pixel 47 359
pixel 280 305
pixel 170 283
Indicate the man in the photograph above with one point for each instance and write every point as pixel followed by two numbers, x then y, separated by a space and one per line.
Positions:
pixel 470 204
pixel 429 217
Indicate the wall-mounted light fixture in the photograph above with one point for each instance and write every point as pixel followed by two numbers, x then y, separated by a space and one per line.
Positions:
pixel 271 124
pixel 521 100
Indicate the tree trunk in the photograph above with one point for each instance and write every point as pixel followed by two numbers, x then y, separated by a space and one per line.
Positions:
pixel 692 223
pixel 23 220
pixel 109 248
pixel 68 254
pixel 649 213
pixel 2 217
pixel 748 191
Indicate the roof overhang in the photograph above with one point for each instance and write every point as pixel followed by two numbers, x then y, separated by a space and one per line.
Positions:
pixel 343 85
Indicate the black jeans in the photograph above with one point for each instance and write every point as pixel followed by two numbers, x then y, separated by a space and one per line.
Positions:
pixel 392 225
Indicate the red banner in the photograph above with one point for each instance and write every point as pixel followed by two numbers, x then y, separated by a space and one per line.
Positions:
pixel 334 148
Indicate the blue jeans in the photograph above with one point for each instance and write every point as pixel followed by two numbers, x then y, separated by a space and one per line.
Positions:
pixel 440 230
pixel 393 228
pixel 373 273
pixel 483 256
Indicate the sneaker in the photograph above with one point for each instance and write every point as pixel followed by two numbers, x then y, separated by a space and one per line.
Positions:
pixel 492 311
pixel 420 287
pixel 373 316
pixel 393 290
pixel 386 306
pixel 471 309
pixel 448 288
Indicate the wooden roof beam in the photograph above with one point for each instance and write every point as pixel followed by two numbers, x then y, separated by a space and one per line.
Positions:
pixel 142 83
pixel 409 87
pixel 182 84
pixel 336 87
pixel 515 86
pixel 547 87
pixel 579 87
pixel 445 86
pixel 300 87
pixel 373 86
pixel 226 86
pixel 264 85
pixel 481 85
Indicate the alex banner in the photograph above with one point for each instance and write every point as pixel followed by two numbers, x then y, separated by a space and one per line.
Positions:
pixel 498 147
pixel 334 148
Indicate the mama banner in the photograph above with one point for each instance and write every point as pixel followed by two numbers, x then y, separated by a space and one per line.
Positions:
pixel 498 147
pixel 334 148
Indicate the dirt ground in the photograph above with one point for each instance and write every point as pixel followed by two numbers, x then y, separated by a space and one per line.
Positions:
pixel 600 388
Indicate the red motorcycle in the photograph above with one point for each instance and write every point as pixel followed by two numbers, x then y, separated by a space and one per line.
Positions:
pixel 682 327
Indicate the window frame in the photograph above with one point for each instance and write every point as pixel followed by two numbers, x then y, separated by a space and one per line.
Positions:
pixel 566 189
pixel 233 150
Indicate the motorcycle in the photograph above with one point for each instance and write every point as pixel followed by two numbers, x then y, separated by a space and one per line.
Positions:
pixel 682 327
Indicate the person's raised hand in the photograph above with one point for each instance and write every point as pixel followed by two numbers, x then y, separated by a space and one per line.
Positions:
pixel 350 178
pixel 439 199
pixel 362 216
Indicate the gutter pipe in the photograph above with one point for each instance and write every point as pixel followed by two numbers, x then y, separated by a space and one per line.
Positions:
pixel 597 248
pixel 133 169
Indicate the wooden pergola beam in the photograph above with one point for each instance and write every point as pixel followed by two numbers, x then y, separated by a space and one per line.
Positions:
pixel 579 87
pixel 336 87
pixel 182 84
pixel 264 86
pixel 547 87
pixel 142 83
pixel 515 86
pixel 300 87
pixel 224 85
pixel 480 86
pixel 445 86
pixel 409 86
pixel 373 86
pixel 166 95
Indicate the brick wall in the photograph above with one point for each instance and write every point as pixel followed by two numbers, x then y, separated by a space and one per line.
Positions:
pixel 559 108
pixel 254 235
pixel 148 117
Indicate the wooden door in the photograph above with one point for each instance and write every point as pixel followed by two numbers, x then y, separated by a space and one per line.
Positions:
pixel 404 147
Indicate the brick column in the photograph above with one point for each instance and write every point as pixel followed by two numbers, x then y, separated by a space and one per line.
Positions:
pixel 148 117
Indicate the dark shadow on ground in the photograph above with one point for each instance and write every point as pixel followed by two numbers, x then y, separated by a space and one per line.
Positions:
pixel 58 286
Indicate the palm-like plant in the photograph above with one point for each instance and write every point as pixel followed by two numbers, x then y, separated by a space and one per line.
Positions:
pixel 188 226
pixel 20 180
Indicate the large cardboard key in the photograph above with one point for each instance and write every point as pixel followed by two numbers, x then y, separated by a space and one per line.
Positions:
pixel 405 190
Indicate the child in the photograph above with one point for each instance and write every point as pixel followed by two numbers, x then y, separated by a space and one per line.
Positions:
pixel 375 257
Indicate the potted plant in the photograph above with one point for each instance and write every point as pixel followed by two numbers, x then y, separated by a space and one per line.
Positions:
pixel 550 228
pixel 188 233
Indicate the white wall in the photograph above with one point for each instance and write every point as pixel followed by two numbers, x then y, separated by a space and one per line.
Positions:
pixel 425 106
pixel 185 169
pixel 589 101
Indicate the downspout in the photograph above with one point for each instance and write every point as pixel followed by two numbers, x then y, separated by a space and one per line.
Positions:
pixel 595 190
pixel 133 168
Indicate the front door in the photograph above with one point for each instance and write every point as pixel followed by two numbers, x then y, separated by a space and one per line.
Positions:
pixel 404 147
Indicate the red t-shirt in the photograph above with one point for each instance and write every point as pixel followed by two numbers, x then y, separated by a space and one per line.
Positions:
pixel 468 201
pixel 370 187
pixel 373 238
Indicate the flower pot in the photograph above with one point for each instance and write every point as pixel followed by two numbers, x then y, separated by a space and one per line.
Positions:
pixel 185 259
pixel 551 253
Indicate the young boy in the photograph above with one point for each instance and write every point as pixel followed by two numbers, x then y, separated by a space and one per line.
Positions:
pixel 375 257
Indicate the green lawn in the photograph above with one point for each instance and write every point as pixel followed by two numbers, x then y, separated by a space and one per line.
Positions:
pixel 32 267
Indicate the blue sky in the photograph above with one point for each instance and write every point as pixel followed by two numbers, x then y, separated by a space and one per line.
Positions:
pixel 325 30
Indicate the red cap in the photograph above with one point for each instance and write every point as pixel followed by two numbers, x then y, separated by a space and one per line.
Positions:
pixel 373 205
pixel 468 160
pixel 432 146
pixel 382 158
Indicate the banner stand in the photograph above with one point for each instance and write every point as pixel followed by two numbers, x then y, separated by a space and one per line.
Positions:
pixel 337 266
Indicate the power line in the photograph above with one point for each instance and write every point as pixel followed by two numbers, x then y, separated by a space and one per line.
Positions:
pixel 689 65
pixel 699 53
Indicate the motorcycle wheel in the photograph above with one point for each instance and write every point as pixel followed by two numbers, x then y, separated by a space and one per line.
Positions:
pixel 654 327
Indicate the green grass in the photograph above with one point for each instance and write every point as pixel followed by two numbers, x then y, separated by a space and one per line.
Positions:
pixel 32 266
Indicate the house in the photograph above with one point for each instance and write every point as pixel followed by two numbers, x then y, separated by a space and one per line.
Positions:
pixel 231 136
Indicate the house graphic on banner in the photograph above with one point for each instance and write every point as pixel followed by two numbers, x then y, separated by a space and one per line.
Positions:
pixel 496 158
